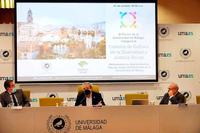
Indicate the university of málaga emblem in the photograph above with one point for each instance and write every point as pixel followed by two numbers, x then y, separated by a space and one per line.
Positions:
pixel 58 124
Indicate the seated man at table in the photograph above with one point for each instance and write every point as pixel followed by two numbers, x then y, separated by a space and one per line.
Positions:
pixel 173 96
pixel 13 96
pixel 89 98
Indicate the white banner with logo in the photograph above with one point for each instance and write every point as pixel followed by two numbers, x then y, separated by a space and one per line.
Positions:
pixel 6 54
pixel 178 61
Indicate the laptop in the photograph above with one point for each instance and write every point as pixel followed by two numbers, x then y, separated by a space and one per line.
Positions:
pixel 140 101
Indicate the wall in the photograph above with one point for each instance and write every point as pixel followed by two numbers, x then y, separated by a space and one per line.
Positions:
pixel 178 11
pixel 169 11
pixel 6 16
pixel 174 66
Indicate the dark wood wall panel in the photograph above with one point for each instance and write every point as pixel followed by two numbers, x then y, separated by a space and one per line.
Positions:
pixel 7 16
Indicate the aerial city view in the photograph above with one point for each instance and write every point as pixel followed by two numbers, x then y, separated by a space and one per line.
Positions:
pixel 59 41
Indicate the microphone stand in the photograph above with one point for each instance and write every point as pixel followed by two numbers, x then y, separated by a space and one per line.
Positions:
pixel 82 99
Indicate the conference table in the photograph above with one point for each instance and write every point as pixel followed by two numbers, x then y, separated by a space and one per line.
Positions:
pixel 108 119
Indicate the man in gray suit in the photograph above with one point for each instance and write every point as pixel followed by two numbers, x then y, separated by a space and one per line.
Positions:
pixel 13 96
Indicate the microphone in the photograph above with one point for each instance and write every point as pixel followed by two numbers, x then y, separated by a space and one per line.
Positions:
pixel 82 99
pixel 86 92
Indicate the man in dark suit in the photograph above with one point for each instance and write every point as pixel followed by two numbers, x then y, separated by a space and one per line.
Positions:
pixel 173 96
pixel 88 97
pixel 13 96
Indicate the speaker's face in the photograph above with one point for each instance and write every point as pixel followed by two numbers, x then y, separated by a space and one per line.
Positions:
pixel 174 88
pixel 12 85
pixel 87 87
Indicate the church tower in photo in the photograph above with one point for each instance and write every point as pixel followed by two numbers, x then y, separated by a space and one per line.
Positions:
pixel 30 16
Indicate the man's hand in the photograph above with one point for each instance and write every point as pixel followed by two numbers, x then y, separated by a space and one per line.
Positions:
pixel 170 93
pixel 80 105
pixel 100 103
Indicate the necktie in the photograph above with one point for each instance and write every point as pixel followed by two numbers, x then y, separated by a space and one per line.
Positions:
pixel 14 100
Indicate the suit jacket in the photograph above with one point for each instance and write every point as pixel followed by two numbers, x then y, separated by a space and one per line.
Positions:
pixel 21 98
pixel 178 98
pixel 96 98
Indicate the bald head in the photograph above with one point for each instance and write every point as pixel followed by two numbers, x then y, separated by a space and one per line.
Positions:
pixel 174 88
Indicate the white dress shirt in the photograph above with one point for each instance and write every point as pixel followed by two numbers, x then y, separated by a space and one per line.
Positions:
pixel 89 100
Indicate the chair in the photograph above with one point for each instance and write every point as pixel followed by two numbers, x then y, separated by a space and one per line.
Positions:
pixel 95 89
pixel 129 97
pixel 198 99
pixel 50 101
pixel 185 99
pixel 27 93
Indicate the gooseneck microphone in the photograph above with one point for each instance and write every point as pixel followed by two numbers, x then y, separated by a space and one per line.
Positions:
pixel 86 92
pixel 82 99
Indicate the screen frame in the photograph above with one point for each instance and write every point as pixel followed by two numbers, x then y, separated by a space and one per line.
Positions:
pixel 80 81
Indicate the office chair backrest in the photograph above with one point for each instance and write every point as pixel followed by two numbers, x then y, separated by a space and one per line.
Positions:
pixel 185 99
pixel 130 97
pixel 198 99
pixel 95 89
pixel 27 93
pixel 49 101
